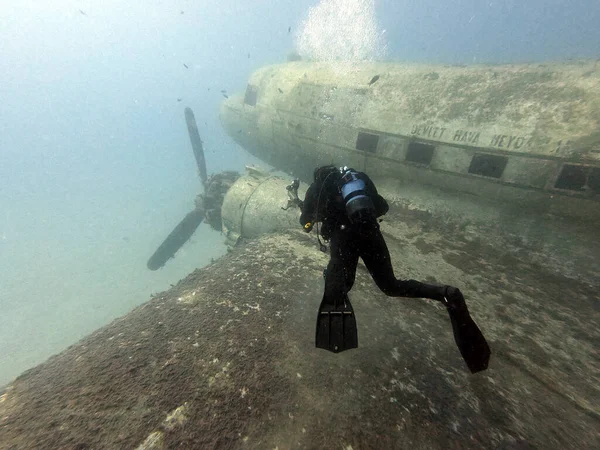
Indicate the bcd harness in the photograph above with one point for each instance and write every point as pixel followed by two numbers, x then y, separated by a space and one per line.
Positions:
pixel 359 206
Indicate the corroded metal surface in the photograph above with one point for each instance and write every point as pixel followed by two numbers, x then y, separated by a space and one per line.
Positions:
pixel 526 134
pixel 255 205
pixel 226 359
pixel 549 109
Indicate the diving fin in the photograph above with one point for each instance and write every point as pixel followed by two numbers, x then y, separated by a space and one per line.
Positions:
pixel 336 326
pixel 469 338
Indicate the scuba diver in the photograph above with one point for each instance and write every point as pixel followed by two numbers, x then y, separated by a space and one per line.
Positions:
pixel 347 205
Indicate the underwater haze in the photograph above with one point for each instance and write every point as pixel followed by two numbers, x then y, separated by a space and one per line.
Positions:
pixel 96 166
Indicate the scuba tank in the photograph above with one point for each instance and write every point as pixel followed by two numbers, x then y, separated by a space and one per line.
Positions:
pixel 359 206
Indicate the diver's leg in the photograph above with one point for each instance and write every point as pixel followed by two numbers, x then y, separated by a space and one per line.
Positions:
pixel 467 335
pixel 341 269
pixel 336 329
pixel 376 256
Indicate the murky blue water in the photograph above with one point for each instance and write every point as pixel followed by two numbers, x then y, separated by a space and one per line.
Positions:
pixel 95 162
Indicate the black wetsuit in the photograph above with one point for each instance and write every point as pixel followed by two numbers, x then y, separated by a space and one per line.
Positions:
pixel 349 241
pixel 361 237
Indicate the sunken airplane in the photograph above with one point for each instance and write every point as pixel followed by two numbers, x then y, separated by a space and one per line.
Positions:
pixel 524 134
pixel 524 138
pixel 510 151
pixel 492 178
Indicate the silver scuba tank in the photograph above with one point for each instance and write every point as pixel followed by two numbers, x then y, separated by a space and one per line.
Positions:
pixel 359 206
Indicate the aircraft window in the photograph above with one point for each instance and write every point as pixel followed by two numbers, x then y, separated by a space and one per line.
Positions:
pixel 594 180
pixel 488 165
pixel 420 153
pixel 250 97
pixel 367 142
pixel 575 178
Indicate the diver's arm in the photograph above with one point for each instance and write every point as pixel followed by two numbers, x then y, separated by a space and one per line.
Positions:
pixel 308 206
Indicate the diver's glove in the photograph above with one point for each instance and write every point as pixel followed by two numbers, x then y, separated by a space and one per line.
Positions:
pixel 308 227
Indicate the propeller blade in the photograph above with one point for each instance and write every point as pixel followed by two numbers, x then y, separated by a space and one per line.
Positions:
pixel 196 144
pixel 179 236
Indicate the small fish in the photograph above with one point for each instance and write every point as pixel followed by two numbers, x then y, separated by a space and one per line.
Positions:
pixel 373 80
pixel 179 99
pixel 225 95
pixel 289 29
pixel 280 91
pixel 185 65
pixel 248 55
pixel 182 12
pixel 82 13
pixel 209 89
pixel 223 91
